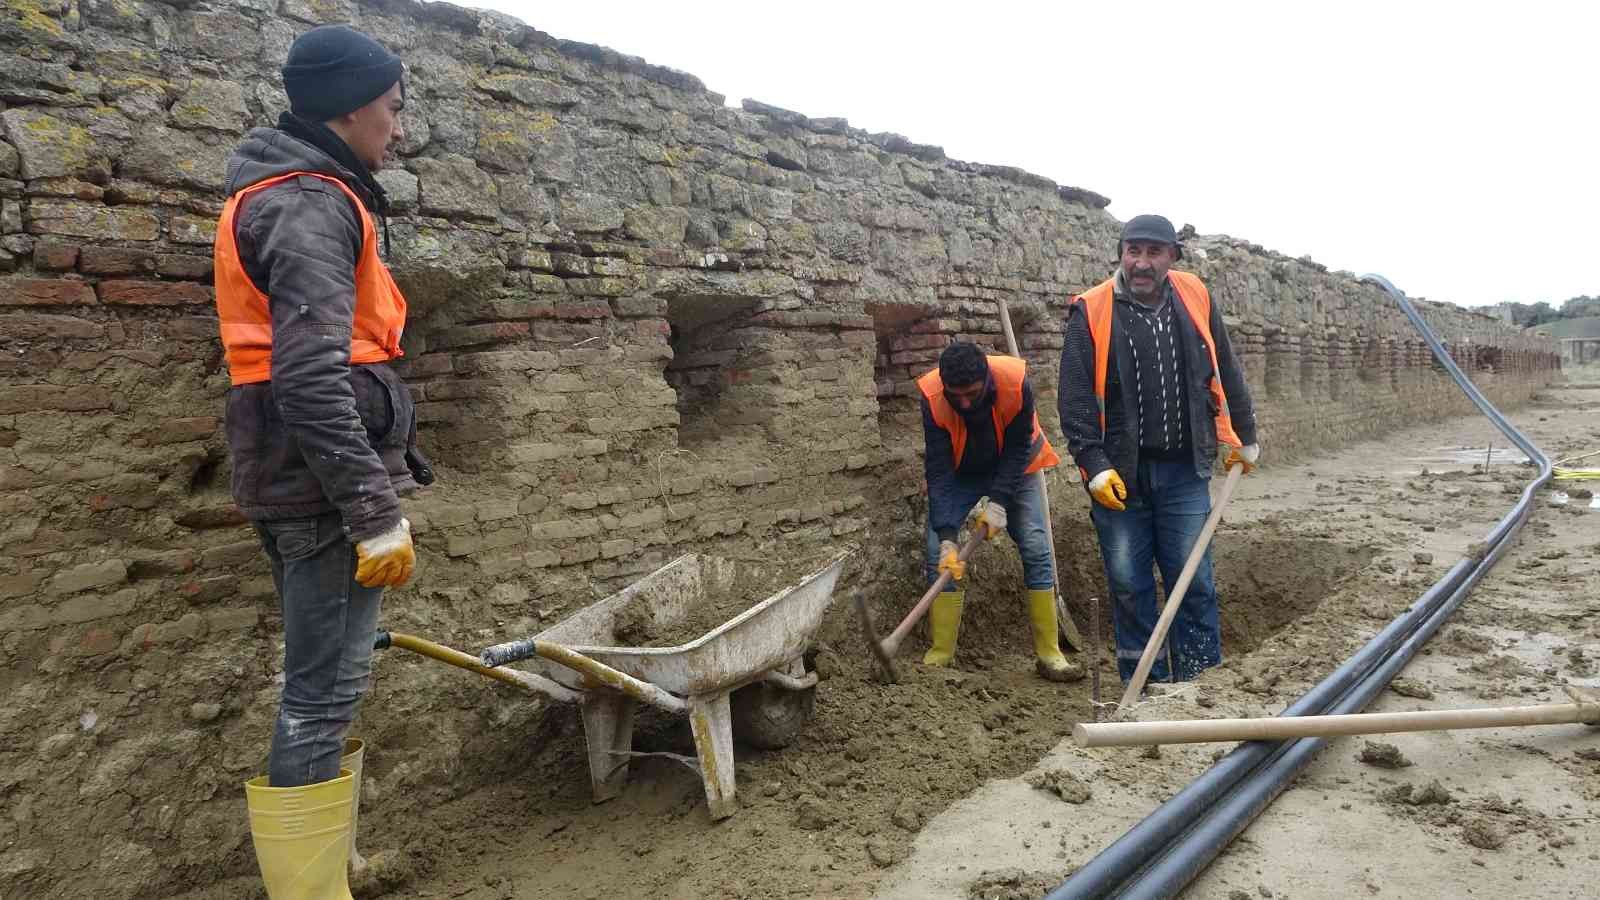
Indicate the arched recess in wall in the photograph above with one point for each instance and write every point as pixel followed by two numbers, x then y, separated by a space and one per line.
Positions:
pixel 706 372
pixel 1283 366
pixel 907 342
pixel 1374 363
pixel 1313 365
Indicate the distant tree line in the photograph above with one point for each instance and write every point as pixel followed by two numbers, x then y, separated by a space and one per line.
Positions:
pixel 1528 314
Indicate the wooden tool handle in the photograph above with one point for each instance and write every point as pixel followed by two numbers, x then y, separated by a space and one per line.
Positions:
pixel 891 644
pixel 1123 734
pixel 1170 611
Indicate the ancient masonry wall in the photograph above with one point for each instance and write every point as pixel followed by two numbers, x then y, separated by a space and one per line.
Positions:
pixel 643 323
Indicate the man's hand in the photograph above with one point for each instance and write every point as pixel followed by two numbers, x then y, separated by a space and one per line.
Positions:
pixel 1108 490
pixel 992 516
pixel 388 559
pixel 950 561
pixel 1245 456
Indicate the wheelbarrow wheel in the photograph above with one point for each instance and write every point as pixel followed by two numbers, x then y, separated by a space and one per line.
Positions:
pixel 769 717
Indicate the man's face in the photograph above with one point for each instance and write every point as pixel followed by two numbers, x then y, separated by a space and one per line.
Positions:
pixel 1145 265
pixel 373 129
pixel 966 397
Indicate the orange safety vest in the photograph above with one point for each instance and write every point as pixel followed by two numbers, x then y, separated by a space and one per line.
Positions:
pixel 1196 299
pixel 246 322
pixel 1009 373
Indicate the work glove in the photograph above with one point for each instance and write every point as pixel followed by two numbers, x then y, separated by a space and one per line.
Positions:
pixel 950 561
pixel 388 559
pixel 1246 456
pixel 1108 490
pixel 992 516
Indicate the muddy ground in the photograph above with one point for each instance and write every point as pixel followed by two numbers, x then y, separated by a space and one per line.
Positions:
pixel 961 783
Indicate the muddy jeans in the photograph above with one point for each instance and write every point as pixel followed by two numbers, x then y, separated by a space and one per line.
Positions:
pixel 1166 512
pixel 329 622
pixel 1025 524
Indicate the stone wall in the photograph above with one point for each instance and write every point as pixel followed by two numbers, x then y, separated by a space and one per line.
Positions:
pixel 643 323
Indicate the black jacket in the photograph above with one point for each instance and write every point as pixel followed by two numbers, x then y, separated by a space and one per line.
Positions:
pixel 985 468
pixel 1118 447
pixel 322 434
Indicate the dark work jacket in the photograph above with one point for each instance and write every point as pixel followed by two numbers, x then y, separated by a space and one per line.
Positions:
pixel 1118 447
pixel 985 468
pixel 323 434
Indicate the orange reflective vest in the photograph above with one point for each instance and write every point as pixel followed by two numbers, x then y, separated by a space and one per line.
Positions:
pixel 1009 374
pixel 1097 302
pixel 246 322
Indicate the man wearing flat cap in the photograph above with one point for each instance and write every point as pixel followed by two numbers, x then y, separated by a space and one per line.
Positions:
pixel 1150 392
pixel 321 430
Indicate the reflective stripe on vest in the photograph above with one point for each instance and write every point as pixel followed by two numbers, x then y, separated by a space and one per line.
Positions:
pixel 1009 373
pixel 1097 302
pixel 246 321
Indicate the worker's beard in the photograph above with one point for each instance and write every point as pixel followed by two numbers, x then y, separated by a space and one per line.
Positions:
pixel 980 407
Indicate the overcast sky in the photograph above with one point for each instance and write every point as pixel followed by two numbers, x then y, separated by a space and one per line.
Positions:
pixel 1451 147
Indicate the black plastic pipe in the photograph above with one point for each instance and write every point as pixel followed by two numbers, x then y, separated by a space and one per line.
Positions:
pixel 1162 853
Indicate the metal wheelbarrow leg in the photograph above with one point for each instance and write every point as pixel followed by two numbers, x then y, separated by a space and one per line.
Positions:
pixel 712 723
pixel 608 722
pixel 608 736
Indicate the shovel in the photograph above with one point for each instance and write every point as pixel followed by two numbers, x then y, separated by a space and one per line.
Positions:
pixel 1159 635
pixel 884 651
pixel 1064 623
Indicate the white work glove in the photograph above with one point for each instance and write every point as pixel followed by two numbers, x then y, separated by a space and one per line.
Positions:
pixel 388 559
pixel 993 517
pixel 1246 456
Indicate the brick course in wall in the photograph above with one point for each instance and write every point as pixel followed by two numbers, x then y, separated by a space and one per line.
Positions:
pixel 643 323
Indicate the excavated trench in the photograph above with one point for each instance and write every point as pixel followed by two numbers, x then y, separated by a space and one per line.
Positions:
pixel 874 764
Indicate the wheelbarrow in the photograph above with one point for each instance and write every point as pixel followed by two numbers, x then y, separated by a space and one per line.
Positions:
pixel 754 658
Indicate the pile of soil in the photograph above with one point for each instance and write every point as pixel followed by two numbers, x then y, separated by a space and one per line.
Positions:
pixel 636 624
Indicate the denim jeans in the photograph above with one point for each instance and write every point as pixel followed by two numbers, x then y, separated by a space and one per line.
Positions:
pixel 1025 524
pixel 329 623
pixel 1167 509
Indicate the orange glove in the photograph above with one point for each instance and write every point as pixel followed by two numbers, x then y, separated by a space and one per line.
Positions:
pixel 388 559
pixel 1108 490
pixel 1245 456
pixel 950 560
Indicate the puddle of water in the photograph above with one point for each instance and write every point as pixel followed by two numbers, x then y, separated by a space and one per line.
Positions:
pixel 1464 457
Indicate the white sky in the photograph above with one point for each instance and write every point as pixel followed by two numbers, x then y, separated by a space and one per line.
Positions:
pixel 1451 147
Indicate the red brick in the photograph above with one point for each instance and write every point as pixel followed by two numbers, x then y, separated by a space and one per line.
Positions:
pixel 154 293
pixel 55 257
pixel 44 292
pixel 488 333
pixel 37 397
pixel 184 265
pixel 193 328
pixel 116 261
pixel 177 431
pixel 426 365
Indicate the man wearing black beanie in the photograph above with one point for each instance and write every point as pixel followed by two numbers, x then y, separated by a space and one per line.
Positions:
pixel 321 430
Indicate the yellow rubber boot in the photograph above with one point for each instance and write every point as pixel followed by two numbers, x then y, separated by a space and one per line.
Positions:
pixel 944 620
pixel 1048 660
pixel 355 751
pixel 302 837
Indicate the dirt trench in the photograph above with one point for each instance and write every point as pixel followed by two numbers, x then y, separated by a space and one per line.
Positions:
pixel 883 793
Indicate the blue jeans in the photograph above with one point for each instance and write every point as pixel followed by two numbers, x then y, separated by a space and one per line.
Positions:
pixel 329 623
pixel 1167 509
pixel 1025 524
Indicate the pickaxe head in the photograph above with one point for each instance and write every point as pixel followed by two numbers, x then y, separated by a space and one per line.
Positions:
pixel 884 663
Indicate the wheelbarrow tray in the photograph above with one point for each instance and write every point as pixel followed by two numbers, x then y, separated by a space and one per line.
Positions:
pixel 762 638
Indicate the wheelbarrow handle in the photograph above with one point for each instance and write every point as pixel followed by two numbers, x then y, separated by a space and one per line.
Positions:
pixel 596 672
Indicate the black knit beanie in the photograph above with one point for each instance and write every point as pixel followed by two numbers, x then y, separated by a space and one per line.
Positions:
pixel 334 69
